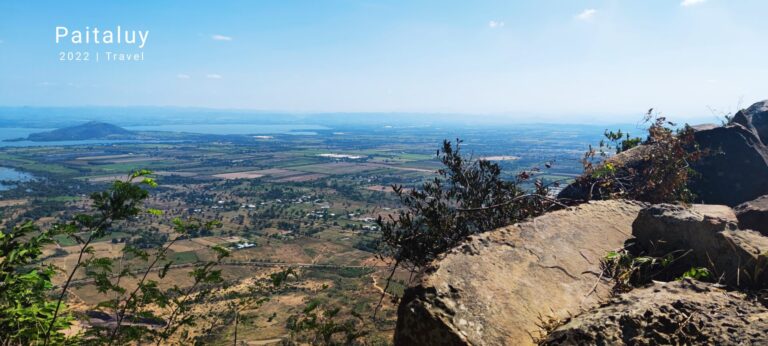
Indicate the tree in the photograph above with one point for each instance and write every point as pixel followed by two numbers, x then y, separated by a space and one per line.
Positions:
pixel 322 326
pixel 122 201
pixel 25 309
pixel 119 202
pixel 28 315
pixel 466 197
pixel 258 294
pixel 140 303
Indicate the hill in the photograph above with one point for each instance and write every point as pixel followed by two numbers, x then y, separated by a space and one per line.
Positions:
pixel 89 130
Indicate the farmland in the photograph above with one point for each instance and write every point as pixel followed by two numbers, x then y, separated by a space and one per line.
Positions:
pixel 307 201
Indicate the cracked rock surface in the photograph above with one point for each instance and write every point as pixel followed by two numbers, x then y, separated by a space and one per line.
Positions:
pixel 498 287
pixel 669 313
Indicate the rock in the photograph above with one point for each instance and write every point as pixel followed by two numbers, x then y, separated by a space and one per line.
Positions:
pixel 734 168
pixel 624 161
pixel 99 315
pixel 754 215
pixel 755 118
pixel 574 191
pixel 496 287
pixel 673 313
pixel 738 257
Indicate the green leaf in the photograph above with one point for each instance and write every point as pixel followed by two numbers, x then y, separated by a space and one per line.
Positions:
pixel 697 273
pixel 155 212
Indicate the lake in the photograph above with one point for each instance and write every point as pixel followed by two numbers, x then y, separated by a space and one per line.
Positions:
pixel 209 129
pixel 18 132
pixel 232 129
pixel 23 132
pixel 10 174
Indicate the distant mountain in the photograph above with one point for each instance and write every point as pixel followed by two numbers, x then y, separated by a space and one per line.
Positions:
pixel 89 130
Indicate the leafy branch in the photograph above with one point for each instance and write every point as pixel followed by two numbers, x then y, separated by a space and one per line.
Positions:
pixel 119 202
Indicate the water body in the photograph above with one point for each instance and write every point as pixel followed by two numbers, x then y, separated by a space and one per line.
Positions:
pixel 233 129
pixel 209 129
pixel 23 132
pixel 12 175
pixel 18 132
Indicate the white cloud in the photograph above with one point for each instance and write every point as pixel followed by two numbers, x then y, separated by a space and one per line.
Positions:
pixel 586 14
pixel 1 41
pixel 687 3
pixel 46 84
pixel 213 76
pixel 221 38
pixel 183 76
pixel 495 24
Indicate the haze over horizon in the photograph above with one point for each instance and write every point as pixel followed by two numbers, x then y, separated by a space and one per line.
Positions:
pixel 569 62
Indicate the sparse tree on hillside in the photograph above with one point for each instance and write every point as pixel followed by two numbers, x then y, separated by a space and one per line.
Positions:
pixel 146 313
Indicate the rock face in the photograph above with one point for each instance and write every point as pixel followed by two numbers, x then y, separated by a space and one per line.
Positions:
pixel 496 287
pixel 738 257
pixel 733 171
pixel 673 313
pixel 754 215
pixel 735 168
pixel 755 118
pixel 631 159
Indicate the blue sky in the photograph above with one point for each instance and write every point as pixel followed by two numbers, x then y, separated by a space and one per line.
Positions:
pixel 563 60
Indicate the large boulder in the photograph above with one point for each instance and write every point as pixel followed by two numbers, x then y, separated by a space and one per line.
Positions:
pixel 737 257
pixel 626 162
pixel 734 168
pixel 673 313
pixel 755 118
pixel 497 287
pixel 754 215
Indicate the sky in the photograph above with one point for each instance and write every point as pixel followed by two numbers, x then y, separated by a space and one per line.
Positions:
pixel 567 60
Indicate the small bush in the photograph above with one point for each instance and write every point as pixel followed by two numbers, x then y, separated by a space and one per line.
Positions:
pixel 655 170
pixel 628 270
pixel 466 197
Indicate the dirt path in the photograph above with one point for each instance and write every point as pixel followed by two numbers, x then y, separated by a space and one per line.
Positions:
pixel 265 341
pixel 375 279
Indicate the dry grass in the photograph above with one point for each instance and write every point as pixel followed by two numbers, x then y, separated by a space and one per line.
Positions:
pixel 337 168
pixel 380 188
pixel 239 175
pixel 301 178
pixel 12 202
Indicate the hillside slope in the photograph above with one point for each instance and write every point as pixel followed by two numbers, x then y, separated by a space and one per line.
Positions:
pixel 89 130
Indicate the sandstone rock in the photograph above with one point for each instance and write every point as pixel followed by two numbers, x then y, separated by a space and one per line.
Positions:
pixel 733 171
pixel 574 191
pixel 755 118
pixel 735 168
pixel 739 257
pixel 496 287
pixel 754 215
pixel 631 159
pixel 673 313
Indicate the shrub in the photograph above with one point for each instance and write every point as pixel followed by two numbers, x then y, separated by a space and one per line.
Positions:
pixel 465 198
pixel 656 170
pixel 319 325
pixel 24 289
pixel 628 270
